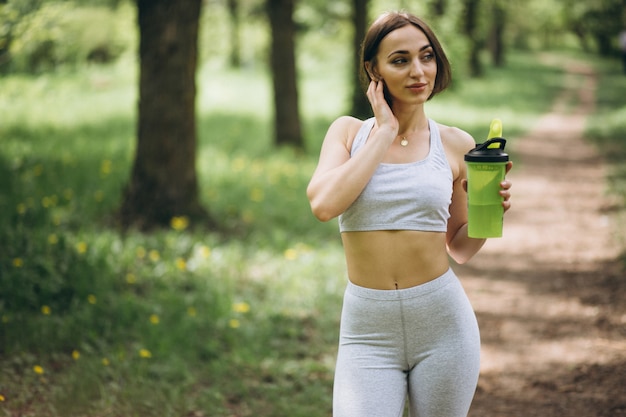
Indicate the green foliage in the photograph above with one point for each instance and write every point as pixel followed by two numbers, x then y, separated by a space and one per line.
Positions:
pixel 61 34
pixel 598 22
pixel 607 129
pixel 40 35
pixel 608 126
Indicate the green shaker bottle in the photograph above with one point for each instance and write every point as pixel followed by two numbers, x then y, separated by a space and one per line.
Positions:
pixel 486 166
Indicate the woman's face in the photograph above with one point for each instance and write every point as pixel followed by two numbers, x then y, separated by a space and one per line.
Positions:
pixel 406 62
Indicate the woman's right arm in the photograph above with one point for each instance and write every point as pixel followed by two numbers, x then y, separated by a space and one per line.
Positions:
pixel 339 179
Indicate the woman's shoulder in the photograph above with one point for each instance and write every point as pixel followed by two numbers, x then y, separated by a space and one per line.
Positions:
pixel 456 138
pixel 346 128
pixel 348 123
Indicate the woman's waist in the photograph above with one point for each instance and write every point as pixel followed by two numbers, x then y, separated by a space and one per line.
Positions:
pixel 403 293
pixel 394 259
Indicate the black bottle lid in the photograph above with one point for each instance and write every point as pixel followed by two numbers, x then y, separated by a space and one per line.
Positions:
pixel 489 151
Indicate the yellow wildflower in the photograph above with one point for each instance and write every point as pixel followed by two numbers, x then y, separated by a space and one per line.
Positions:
pixel 105 362
pixel 242 307
pixel 191 312
pixel 154 319
pixel 179 222
pixel 234 323
pixel 92 299
pixel 141 252
pixel 2 399
pixel 81 247
pixel 38 370
pixel 145 353
pixel 205 251
pixel 53 239
pixel 257 195
pixel 75 355
pixel 238 164
pixel 131 278
pixel 154 255
pixel 48 202
pixel 18 262
pixel 105 167
pixel 181 264
pixel 46 310
pixel 291 254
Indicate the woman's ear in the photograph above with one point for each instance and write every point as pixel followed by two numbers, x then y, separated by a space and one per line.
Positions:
pixel 371 71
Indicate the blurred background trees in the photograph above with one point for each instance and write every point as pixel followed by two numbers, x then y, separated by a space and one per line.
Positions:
pixel 40 35
pixel 273 36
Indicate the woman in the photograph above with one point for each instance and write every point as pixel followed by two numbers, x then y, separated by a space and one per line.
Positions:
pixel 397 182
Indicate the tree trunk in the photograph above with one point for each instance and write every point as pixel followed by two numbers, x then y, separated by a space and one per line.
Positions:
pixel 283 67
pixel 496 40
pixel 233 11
pixel 163 181
pixel 437 8
pixel 360 104
pixel 470 29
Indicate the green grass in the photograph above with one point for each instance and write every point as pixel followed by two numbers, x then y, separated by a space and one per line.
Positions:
pixel 182 321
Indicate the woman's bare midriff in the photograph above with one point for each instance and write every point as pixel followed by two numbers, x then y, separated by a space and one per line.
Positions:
pixel 394 259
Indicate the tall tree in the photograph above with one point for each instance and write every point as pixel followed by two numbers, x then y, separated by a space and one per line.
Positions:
pixel 360 104
pixel 163 182
pixel 283 67
pixel 437 8
pixel 233 12
pixel 470 29
pixel 496 38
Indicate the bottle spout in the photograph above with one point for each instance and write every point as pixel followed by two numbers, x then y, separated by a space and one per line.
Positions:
pixel 495 129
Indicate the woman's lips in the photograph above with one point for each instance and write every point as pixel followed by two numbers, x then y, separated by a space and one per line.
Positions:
pixel 417 87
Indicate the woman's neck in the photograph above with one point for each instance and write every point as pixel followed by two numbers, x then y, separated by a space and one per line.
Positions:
pixel 411 120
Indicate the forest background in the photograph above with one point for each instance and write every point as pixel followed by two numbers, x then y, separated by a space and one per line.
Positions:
pixel 233 311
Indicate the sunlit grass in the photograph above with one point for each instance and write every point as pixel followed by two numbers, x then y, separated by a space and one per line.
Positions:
pixel 68 99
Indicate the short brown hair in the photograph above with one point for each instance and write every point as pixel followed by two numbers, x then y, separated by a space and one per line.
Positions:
pixel 387 23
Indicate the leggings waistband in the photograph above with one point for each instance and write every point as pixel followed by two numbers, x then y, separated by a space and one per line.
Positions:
pixel 402 294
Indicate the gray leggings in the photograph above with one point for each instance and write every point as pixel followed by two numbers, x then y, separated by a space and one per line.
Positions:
pixel 422 342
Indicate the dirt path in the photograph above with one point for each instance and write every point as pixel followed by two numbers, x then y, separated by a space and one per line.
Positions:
pixel 550 299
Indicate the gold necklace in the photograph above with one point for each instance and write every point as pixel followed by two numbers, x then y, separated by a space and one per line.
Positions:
pixel 404 142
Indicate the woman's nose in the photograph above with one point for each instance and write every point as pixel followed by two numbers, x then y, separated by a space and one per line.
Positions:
pixel 416 68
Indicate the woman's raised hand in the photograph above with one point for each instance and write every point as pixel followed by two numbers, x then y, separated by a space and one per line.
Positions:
pixel 384 116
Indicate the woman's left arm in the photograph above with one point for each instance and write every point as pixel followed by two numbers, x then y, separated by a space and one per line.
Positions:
pixel 460 246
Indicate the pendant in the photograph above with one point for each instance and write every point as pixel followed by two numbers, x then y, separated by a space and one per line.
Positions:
pixel 404 142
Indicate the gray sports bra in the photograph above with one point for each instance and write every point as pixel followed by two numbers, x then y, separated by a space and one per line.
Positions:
pixel 411 196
